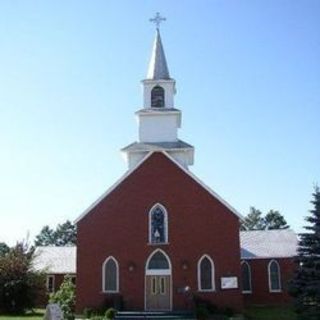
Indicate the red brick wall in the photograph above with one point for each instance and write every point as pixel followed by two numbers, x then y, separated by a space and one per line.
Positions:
pixel 198 224
pixel 260 285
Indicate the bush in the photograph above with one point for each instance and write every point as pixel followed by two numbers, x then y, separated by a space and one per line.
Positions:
pixel 88 312
pixel 65 297
pixel 111 313
pixel 97 318
pixel 228 311
pixel 202 312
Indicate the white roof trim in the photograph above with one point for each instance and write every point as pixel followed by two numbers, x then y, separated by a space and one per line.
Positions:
pixel 129 172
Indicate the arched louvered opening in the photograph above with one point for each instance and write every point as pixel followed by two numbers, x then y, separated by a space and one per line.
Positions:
pixel 157 97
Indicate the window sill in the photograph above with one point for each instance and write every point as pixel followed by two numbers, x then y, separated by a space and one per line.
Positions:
pixel 208 290
pixel 275 291
pixel 247 292
pixel 158 244
pixel 111 292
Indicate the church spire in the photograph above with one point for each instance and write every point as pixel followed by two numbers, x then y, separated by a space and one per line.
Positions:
pixel 158 120
pixel 158 68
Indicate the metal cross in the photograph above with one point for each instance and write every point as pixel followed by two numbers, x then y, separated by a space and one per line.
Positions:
pixel 157 19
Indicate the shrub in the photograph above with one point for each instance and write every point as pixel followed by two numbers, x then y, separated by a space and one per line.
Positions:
pixel 65 297
pixel 111 313
pixel 228 311
pixel 202 312
pixel 88 312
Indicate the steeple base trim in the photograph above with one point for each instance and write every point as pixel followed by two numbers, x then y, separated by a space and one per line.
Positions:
pixel 181 151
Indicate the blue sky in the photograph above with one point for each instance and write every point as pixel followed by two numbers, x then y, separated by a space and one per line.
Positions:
pixel 248 78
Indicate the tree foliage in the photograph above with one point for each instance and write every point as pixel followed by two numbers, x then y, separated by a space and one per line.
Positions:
pixel 4 249
pixel 65 234
pixel 256 221
pixel 19 283
pixel 66 298
pixel 305 286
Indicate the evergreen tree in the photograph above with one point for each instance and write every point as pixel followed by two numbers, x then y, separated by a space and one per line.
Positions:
pixel 253 221
pixel 305 286
pixel 274 220
pixel 256 221
pixel 64 235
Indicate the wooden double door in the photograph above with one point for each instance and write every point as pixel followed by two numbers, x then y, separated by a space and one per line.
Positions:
pixel 158 292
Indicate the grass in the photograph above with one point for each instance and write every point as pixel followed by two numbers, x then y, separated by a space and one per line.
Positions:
pixel 270 313
pixel 34 315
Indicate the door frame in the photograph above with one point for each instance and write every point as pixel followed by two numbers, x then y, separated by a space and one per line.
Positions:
pixel 158 272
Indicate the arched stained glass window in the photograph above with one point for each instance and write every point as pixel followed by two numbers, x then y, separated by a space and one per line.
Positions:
pixel 274 276
pixel 158 225
pixel 157 97
pixel 110 275
pixel 205 274
pixel 246 277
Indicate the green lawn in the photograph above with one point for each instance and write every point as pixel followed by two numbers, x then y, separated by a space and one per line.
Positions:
pixel 270 313
pixel 35 315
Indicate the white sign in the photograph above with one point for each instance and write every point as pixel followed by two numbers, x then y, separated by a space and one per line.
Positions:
pixel 53 312
pixel 229 283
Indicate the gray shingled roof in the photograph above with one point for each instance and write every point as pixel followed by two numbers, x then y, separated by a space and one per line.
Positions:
pixel 158 68
pixel 156 146
pixel 56 259
pixel 268 244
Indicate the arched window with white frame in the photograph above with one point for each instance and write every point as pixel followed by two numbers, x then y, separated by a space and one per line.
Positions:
pixel 246 277
pixel 206 274
pixel 274 276
pixel 158 224
pixel 110 275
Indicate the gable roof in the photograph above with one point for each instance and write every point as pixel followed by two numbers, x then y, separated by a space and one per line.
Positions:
pixel 55 259
pixel 186 171
pixel 264 244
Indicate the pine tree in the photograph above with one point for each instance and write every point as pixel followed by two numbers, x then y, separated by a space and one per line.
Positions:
pixel 305 286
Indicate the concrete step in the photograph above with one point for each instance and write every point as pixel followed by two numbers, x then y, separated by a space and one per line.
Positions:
pixel 153 315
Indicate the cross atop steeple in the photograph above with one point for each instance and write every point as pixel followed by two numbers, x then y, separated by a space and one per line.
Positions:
pixel 157 20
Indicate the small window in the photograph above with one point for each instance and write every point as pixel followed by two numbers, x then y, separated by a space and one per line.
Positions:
pixel 50 283
pixel 163 285
pixel 110 275
pixel 157 97
pixel 246 277
pixel 205 274
pixel 153 286
pixel 274 276
pixel 158 225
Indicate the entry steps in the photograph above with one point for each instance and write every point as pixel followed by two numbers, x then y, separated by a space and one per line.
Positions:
pixel 156 315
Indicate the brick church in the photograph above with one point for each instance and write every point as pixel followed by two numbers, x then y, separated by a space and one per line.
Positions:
pixel 159 235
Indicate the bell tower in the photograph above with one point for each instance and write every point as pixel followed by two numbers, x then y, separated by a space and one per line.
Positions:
pixel 158 120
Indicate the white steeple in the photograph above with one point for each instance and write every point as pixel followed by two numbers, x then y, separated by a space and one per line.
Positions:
pixel 158 120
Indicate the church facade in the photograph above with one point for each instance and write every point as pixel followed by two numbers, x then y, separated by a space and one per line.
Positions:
pixel 159 236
